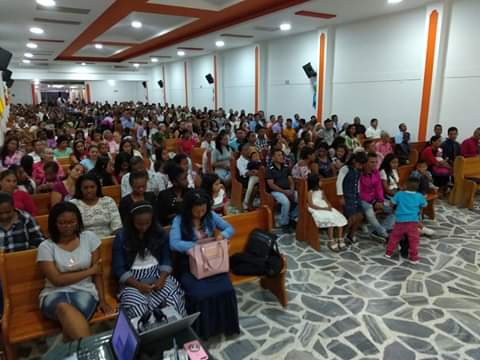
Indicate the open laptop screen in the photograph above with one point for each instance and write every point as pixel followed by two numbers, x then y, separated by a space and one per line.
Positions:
pixel 124 340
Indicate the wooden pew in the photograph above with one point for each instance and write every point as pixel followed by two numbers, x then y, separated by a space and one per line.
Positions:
pixel 237 187
pixel 64 161
pixel 413 157
pixel 306 228
pixel 265 198
pixel 197 158
pixel 466 172
pixel 114 192
pixel 171 145
pixel 22 282
pixel 42 202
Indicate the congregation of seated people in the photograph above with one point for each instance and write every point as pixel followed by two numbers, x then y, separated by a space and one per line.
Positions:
pixel 169 199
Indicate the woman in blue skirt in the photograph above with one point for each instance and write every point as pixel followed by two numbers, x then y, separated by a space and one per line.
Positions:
pixel 141 263
pixel 214 297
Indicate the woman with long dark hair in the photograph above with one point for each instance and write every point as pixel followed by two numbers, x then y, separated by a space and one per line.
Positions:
pixel 142 265
pixel 64 190
pixel 122 165
pixel 221 158
pixel 21 199
pixel 389 175
pixel 10 153
pixel 214 297
pixel 103 170
pixel 78 153
pixel 70 262
pixel 170 201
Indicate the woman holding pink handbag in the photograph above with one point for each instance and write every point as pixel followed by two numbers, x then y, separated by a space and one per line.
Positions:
pixel 213 296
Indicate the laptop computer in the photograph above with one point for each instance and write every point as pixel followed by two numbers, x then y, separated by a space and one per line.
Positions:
pixel 123 344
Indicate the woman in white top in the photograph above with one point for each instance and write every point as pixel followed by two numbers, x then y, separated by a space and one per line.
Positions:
pixel 389 175
pixel 70 263
pixel 99 213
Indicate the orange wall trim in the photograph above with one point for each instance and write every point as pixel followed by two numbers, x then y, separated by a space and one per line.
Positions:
pixel 428 77
pixel 34 96
pixel 321 78
pixel 257 78
pixel 87 92
pixel 164 86
pixel 186 83
pixel 215 90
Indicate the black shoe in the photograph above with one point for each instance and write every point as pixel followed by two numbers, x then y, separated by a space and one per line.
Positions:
pixel 286 229
pixel 378 237
pixel 293 225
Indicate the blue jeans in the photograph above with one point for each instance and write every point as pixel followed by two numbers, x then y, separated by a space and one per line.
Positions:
pixel 288 210
pixel 371 217
pixel 81 300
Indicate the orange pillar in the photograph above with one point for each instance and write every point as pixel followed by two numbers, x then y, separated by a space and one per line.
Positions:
pixel 428 77
pixel 34 95
pixel 87 92
pixel 321 79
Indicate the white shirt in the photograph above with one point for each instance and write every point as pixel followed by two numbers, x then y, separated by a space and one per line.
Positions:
pixel 155 183
pixel 372 133
pixel 242 166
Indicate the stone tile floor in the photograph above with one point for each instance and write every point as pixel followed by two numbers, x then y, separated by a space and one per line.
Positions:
pixel 360 305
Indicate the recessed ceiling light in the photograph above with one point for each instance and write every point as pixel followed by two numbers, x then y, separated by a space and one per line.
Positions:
pixel 136 24
pixel 220 43
pixel 83 64
pixel 154 60
pixel 32 45
pixel 394 1
pixel 46 2
pixel 136 65
pixel 285 27
pixel 181 53
pixel 28 55
pixel 98 46
pixel 26 61
pixel 36 30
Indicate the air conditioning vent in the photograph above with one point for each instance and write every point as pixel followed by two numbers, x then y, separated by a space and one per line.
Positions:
pixel 237 36
pixel 54 21
pixel 266 28
pixel 64 10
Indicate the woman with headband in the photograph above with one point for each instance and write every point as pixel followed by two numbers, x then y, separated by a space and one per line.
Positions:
pixel 141 263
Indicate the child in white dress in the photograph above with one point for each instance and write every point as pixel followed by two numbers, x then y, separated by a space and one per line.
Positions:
pixel 324 215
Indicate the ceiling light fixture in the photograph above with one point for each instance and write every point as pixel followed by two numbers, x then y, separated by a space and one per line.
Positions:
pixel 26 61
pixel 36 30
pixel 181 53
pixel 83 64
pixel 136 65
pixel 28 55
pixel 220 43
pixel 98 46
pixel 154 60
pixel 32 45
pixel 394 1
pixel 285 27
pixel 47 3
pixel 36 82
pixel 136 24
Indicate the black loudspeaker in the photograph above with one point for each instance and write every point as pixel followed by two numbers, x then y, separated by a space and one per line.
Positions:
pixel 209 78
pixel 5 57
pixel 309 70
pixel 10 83
pixel 144 84
pixel 6 75
pixel 160 83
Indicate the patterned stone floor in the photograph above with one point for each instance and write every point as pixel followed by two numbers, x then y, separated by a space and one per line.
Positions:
pixel 360 305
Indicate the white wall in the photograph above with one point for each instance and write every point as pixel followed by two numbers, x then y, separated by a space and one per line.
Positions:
pixel 460 101
pixel 175 83
pixel 378 69
pixel 238 79
pixel 116 90
pixel 155 93
pixel 289 91
pixel 21 91
pixel 202 92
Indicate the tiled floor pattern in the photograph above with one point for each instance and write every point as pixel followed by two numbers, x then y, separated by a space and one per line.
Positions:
pixel 360 305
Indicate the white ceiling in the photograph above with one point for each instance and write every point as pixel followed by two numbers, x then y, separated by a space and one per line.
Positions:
pixel 16 17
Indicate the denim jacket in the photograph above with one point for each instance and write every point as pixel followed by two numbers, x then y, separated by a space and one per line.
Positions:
pixel 183 245
pixel 350 186
pixel 123 259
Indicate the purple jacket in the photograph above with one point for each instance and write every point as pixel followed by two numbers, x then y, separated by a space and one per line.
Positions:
pixel 371 187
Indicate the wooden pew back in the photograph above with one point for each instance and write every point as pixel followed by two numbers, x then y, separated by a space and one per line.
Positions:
pixel 42 202
pixel 114 192
pixel 170 145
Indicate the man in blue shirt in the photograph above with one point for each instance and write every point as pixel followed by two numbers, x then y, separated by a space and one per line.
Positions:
pixel 127 122
pixel 399 137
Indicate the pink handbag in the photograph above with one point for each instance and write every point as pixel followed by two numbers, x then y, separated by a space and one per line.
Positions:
pixel 209 259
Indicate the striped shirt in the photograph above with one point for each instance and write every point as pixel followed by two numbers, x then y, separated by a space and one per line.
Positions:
pixel 22 235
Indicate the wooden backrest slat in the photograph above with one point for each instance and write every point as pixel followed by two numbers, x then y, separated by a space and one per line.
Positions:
pixel 197 155
pixel 114 192
pixel 404 173
pixel 466 167
pixel 42 202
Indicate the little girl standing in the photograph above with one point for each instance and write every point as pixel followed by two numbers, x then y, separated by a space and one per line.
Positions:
pixel 324 215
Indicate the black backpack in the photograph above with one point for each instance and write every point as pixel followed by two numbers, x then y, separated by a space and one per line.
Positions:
pixel 261 257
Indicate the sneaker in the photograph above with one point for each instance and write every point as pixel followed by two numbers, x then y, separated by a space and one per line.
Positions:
pixel 379 237
pixel 351 239
pixel 426 231
pixel 388 256
pixel 413 262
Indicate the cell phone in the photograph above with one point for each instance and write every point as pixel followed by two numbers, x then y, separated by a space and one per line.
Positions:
pixel 195 350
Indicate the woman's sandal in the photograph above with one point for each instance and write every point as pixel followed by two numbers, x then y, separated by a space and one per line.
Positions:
pixel 341 244
pixel 333 246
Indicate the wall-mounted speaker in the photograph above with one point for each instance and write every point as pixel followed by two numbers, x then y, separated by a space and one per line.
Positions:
pixel 10 83
pixel 144 84
pixel 209 78
pixel 5 57
pixel 309 71
pixel 160 83
pixel 6 75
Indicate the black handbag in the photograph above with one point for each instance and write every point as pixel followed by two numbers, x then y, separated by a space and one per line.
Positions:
pixel 262 243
